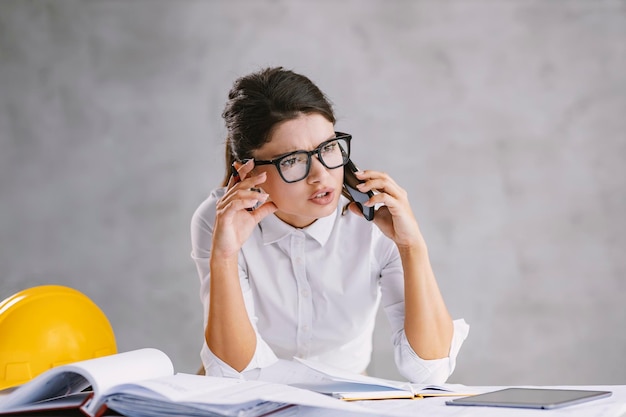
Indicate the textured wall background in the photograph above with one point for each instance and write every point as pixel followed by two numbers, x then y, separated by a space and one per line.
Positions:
pixel 505 120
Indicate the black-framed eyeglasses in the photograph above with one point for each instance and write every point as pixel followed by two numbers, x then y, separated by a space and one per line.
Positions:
pixel 295 166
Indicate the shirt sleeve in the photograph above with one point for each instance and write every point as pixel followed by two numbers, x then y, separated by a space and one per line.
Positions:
pixel 434 371
pixel 201 236
pixel 409 364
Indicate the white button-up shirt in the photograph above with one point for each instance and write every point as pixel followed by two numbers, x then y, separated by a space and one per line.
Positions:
pixel 313 293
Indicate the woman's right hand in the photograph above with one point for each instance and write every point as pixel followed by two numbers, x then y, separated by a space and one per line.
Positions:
pixel 233 221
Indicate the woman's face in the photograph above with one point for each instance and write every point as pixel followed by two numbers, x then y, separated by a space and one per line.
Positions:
pixel 301 203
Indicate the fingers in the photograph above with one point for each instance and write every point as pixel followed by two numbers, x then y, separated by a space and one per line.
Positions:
pixel 234 177
pixel 263 211
pixel 243 190
pixel 239 197
pixel 245 168
pixel 240 185
pixel 240 171
pixel 381 182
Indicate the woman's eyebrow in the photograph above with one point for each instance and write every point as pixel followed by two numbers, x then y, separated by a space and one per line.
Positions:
pixel 279 155
pixel 276 156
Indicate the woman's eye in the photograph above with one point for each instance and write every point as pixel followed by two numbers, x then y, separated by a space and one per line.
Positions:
pixel 288 162
pixel 329 147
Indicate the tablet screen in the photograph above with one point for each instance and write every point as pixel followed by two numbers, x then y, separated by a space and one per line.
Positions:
pixel 531 398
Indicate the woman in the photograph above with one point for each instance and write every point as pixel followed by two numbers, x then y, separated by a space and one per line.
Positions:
pixel 285 271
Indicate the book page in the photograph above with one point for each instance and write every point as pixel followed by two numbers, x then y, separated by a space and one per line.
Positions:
pixel 345 376
pixel 99 373
pixel 51 385
pixel 350 386
pixel 182 393
pixel 110 371
pixel 136 365
pixel 184 387
pixel 68 402
pixel 443 390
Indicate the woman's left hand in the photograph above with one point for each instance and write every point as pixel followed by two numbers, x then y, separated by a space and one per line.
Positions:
pixel 395 217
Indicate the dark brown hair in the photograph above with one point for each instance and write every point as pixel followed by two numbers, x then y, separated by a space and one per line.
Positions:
pixel 258 102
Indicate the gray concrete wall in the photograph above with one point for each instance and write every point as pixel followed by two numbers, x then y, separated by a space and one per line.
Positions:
pixel 505 121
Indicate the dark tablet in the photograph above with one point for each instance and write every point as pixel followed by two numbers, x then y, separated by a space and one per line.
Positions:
pixel 530 398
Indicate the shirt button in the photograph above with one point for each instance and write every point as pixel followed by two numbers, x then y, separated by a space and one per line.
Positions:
pixel 305 293
pixel 299 261
pixel 305 329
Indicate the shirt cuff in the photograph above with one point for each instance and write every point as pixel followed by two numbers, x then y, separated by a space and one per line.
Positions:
pixel 433 371
pixel 214 366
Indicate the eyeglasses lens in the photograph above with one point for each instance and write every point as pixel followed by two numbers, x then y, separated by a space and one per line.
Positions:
pixel 332 154
pixel 294 167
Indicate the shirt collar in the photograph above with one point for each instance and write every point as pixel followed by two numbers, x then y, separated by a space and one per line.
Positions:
pixel 273 229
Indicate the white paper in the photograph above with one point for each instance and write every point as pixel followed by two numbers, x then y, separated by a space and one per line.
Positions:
pixel 100 373
pixel 219 394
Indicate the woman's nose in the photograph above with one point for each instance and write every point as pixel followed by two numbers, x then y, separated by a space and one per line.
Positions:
pixel 317 171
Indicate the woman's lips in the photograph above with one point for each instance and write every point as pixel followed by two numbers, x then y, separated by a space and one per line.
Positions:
pixel 323 196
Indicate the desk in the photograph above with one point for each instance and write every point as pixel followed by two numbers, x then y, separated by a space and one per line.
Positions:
pixel 613 406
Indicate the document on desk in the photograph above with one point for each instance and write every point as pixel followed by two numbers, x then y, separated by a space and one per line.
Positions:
pixel 141 383
pixel 355 387
pixel 194 395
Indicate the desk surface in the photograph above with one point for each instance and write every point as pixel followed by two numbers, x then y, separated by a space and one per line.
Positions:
pixel 613 406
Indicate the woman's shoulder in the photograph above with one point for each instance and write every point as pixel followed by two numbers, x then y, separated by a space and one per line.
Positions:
pixel 206 210
pixel 355 224
pixel 358 222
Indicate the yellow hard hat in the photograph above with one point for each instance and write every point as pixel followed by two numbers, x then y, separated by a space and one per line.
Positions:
pixel 46 326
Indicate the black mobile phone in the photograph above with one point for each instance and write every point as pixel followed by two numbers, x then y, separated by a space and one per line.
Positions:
pixel 349 184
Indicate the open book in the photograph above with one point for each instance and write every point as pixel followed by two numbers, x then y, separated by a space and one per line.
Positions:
pixel 351 387
pixel 142 383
